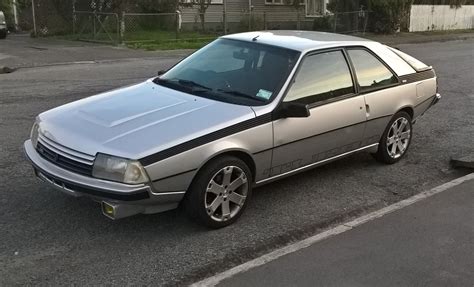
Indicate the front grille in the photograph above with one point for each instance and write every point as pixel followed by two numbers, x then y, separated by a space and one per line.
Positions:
pixel 64 159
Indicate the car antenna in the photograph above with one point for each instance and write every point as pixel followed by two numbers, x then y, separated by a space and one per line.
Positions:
pixel 255 38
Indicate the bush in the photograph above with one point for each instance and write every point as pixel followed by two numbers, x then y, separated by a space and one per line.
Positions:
pixel 386 16
pixel 322 24
pixel 389 16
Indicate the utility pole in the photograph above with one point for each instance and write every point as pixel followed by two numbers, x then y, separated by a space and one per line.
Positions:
pixel 34 17
pixel 225 16
pixel 15 14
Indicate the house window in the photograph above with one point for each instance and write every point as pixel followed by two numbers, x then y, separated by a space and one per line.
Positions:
pixel 277 2
pixel 197 2
pixel 282 2
pixel 315 7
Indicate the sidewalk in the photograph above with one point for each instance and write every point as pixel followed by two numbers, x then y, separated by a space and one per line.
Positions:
pixel 21 51
pixel 428 243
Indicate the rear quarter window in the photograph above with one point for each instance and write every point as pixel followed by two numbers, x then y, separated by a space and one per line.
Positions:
pixel 414 63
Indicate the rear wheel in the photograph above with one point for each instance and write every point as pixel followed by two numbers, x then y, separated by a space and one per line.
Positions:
pixel 396 139
pixel 3 34
pixel 220 192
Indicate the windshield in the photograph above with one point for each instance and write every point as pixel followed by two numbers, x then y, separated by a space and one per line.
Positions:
pixel 233 71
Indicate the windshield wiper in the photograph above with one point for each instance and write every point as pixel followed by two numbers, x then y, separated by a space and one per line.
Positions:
pixel 193 84
pixel 183 83
pixel 240 94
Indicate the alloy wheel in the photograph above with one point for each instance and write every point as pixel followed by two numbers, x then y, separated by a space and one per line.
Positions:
pixel 398 138
pixel 226 193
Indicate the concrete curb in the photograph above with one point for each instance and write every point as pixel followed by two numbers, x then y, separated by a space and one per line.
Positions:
pixel 6 70
pixel 217 278
pixel 465 161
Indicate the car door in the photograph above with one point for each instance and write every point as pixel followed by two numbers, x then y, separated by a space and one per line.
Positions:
pixel 337 117
pixel 381 90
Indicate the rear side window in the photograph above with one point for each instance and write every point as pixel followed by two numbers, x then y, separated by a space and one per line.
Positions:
pixel 321 77
pixel 371 73
pixel 414 63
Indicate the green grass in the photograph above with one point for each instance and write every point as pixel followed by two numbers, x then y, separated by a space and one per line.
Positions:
pixel 170 45
pixel 167 40
pixel 162 35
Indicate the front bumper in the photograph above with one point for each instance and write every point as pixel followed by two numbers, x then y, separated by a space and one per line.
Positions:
pixel 126 199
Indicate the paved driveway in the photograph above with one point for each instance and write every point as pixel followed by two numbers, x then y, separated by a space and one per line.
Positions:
pixel 49 238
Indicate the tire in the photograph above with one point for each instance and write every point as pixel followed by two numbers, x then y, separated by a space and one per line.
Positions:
pixel 220 192
pixel 395 142
pixel 3 34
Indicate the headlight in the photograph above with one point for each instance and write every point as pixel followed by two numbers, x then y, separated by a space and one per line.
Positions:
pixel 34 134
pixel 119 169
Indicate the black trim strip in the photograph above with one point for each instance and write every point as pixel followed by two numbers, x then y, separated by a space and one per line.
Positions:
pixel 364 122
pixel 173 175
pixel 262 151
pixel 94 191
pixel 416 77
pixel 180 148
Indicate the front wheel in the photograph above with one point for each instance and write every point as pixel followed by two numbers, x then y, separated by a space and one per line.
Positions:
pixel 220 192
pixel 396 139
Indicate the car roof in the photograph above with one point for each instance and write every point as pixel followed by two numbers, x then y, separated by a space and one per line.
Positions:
pixel 304 41
pixel 300 40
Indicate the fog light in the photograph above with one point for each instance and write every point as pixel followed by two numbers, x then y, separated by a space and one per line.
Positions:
pixel 108 209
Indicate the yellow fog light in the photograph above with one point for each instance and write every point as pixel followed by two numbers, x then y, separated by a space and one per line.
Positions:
pixel 108 209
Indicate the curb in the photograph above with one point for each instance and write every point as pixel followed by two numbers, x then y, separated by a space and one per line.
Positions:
pixel 464 161
pixel 6 70
pixel 293 247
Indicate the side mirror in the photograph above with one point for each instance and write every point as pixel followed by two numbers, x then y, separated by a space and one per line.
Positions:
pixel 161 72
pixel 292 110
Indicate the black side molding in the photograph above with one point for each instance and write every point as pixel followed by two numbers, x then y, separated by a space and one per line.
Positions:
pixel 416 77
pixel 213 136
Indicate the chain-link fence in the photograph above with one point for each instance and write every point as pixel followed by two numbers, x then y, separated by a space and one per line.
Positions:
pixel 188 26
pixel 97 27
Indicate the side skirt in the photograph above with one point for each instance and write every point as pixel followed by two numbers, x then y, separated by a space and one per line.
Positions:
pixel 313 165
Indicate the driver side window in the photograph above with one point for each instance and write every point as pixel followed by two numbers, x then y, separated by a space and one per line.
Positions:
pixel 321 77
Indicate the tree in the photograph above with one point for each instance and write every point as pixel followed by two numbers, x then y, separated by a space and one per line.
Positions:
pixel 389 16
pixel 386 16
pixel 202 6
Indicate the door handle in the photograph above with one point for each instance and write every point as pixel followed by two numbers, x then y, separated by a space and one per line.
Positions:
pixel 367 110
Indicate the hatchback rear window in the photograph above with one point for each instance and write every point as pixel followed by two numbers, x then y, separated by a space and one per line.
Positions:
pixel 414 63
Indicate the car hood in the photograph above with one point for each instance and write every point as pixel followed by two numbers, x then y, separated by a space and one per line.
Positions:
pixel 137 121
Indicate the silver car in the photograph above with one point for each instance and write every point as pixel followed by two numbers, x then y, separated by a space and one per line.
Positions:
pixel 3 26
pixel 243 111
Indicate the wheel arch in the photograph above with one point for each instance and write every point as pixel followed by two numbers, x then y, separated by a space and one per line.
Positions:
pixel 241 154
pixel 409 110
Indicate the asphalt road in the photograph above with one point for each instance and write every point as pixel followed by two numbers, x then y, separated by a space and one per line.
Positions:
pixel 49 238
pixel 429 243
